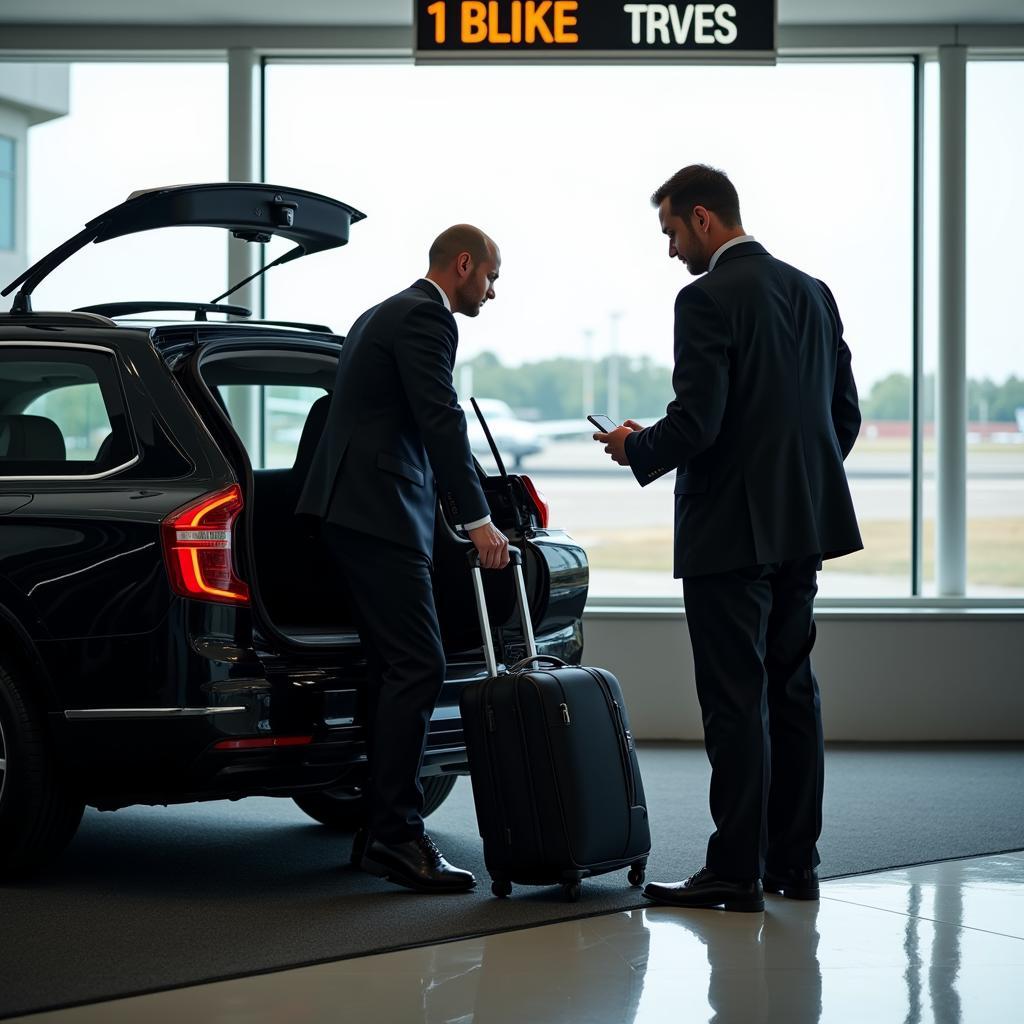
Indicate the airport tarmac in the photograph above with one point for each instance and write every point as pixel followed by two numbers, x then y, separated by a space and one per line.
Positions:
pixel 585 488
pixel 587 492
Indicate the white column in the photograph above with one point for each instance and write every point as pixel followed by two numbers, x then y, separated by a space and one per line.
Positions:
pixel 244 257
pixel 243 162
pixel 917 415
pixel 951 383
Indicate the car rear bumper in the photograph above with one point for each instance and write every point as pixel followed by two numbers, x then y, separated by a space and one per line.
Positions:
pixel 254 737
pixel 123 756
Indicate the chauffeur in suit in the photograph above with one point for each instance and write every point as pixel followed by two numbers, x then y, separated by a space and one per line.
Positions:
pixel 765 412
pixel 393 426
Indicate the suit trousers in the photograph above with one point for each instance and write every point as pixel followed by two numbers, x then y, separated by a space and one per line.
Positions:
pixel 393 600
pixel 752 631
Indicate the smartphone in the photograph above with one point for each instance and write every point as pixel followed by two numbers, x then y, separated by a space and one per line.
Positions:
pixel 603 423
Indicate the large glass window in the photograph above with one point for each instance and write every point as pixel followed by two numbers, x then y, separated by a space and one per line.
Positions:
pixel 130 126
pixel 558 165
pixel 995 335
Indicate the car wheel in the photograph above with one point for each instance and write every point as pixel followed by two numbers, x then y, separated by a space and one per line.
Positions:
pixel 39 813
pixel 435 792
pixel 344 808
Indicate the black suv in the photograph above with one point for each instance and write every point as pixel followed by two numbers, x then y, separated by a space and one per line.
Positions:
pixel 170 631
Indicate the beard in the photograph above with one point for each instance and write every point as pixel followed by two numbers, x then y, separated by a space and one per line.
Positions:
pixel 470 301
pixel 696 261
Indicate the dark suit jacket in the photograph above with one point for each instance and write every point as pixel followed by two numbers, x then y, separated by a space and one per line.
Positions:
pixel 394 422
pixel 765 412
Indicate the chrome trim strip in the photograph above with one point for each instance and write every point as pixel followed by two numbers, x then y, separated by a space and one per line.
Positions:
pixel 77 476
pixel 32 343
pixel 150 712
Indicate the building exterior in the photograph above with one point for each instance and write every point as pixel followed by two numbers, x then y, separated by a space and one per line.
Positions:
pixel 29 94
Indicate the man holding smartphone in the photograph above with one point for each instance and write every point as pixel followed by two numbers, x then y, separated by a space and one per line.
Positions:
pixel 393 425
pixel 765 411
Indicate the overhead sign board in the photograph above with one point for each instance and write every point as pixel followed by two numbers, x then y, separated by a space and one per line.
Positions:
pixel 563 31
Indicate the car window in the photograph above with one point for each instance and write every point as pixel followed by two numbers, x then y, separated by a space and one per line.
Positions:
pixel 286 411
pixel 269 419
pixel 61 412
pixel 79 412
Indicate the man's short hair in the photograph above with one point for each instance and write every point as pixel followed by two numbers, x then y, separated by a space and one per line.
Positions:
pixel 460 238
pixel 701 185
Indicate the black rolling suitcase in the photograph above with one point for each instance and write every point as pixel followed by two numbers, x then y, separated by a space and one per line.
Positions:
pixel 555 777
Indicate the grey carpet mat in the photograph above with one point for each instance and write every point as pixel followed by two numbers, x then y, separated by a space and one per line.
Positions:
pixel 150 898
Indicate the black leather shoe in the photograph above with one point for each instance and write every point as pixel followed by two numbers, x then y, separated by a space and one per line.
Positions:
pixel 796 883
pixel 706 889
pixel 416 864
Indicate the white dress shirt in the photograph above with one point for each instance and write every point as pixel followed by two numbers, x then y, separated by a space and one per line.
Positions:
pixel 728 245
pixel 441 292
pixel 447 305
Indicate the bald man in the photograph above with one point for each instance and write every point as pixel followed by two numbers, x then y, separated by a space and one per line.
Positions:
pixel 394 426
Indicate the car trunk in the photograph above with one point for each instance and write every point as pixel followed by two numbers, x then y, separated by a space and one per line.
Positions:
pixel 305 599
pixel 295 588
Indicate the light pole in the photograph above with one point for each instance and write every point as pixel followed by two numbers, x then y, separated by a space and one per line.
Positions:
pixel 613 365
pixel 588 371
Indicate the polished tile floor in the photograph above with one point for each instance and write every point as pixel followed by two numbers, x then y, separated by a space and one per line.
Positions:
pixel 935 944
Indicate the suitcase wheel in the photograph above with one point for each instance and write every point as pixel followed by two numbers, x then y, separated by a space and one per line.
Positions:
pixel 637 874
pixel 502 888
pixel 572 891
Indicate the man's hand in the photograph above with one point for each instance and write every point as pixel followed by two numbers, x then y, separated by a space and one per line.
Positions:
pixel 615 441
pixel 492 546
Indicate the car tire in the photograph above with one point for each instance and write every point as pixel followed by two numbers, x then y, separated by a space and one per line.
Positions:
pixel 435 792
pixel 39 812
pixel 344 809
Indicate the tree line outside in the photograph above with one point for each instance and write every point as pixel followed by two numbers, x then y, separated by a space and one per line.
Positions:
pixel 987 401
pixel 553 389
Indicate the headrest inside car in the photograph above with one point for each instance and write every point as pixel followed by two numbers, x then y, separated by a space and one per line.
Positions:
pixel 316 420
pixel 31 439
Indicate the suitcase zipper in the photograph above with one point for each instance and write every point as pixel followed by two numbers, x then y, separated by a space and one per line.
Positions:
pixel 564 708
pixel 624 736
pixel 626 739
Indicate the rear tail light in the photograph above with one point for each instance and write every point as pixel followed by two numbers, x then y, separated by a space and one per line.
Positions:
pixel 262 742
pixel 197 548
pixel 539 502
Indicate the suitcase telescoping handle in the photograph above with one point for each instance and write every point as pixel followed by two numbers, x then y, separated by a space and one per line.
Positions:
pixel 516 559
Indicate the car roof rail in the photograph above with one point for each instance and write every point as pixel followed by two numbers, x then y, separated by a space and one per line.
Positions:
pixel 68 318
pixel 319 328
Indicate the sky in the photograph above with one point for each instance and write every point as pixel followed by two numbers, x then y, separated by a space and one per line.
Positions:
pixel 557 164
